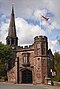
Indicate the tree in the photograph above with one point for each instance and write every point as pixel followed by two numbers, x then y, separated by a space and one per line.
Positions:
pixel 5 57
pixel 57 65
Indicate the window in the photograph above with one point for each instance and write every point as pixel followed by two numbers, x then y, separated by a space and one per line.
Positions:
pixel 43 51
pixel 43 48
pixel 38 45
pixel 12 41
pixel 26 59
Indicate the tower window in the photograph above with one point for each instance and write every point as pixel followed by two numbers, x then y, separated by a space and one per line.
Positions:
pixel 12 41
pixel 43 51
pixel 43 48
pixel 38 45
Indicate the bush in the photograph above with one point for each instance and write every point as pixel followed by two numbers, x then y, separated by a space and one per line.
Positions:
pixel 5 78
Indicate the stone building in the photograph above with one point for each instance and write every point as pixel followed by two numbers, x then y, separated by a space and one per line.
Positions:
pixel 32 63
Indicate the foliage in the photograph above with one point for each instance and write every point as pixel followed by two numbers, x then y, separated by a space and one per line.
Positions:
pixel 57 65
pixel 5 53
pixel 5 56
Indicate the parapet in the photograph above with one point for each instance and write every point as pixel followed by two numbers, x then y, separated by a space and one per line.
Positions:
pixel 40 38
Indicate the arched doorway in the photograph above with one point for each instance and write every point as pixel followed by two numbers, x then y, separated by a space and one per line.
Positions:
pixel 26 76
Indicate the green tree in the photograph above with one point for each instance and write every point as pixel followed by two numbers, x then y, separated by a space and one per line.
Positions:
pixel 5 53
pixel 57 65
pixel 5 56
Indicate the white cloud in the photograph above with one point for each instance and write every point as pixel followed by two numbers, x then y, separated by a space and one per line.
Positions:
pixel 3 32
pixel 30 9
pixel 54 6
pixel 52 45
pixel 49 25
pixel 24 8
pixel 38 13
pixel 26 32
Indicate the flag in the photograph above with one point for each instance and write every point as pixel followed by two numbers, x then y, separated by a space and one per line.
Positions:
pixel 45 17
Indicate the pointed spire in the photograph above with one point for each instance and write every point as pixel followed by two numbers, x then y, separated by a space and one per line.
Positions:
pixel 12 10
pixel 12 39
pixel 12 28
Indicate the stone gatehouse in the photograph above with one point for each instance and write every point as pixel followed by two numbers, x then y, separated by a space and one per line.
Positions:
pixel 32 63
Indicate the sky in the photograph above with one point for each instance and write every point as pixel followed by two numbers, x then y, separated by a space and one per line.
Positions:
pixel 29 21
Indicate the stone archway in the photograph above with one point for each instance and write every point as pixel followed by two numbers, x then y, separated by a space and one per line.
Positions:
pixel 27 76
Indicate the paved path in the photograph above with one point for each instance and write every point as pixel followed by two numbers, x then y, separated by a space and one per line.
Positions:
pixel 19 86
pixel 26 86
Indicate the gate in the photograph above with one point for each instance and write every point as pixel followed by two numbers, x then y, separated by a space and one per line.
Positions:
pixel 26 76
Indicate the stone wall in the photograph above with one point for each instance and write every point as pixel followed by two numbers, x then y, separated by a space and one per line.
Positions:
pixel 12 75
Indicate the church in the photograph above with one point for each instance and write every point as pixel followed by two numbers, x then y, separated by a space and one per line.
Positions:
pixel 32 64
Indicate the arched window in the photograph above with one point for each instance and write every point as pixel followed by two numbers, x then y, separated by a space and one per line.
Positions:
pixel 12 42
pixel 26 59
pixel 43 48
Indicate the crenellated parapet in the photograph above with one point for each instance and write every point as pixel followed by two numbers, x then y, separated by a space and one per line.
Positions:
pixel 40 38
pixel 40 45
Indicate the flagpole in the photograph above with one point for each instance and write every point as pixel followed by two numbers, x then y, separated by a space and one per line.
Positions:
pixel 41 24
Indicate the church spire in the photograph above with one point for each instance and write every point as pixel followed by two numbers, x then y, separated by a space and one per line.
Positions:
pixel 12 38
pixel 12 28
pixel 12 10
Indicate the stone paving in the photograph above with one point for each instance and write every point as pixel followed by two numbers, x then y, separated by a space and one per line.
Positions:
pixel 26 86
pixel 50 87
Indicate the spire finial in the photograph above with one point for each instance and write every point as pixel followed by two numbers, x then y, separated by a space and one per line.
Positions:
pixel 12 9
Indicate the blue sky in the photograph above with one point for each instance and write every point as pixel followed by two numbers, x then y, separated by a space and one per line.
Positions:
pixel 29 22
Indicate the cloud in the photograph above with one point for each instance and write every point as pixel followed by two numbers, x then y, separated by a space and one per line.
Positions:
pixel 3 32
pixel 26 32
pixel 39 12
pixel 54 6
pixel 49 25
pixel 52 45
pixel 24 8
pixel 30 9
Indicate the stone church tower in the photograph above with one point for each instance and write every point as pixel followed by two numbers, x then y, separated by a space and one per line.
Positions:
pixel 41 57
pixel 12 38
pixel 31 62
